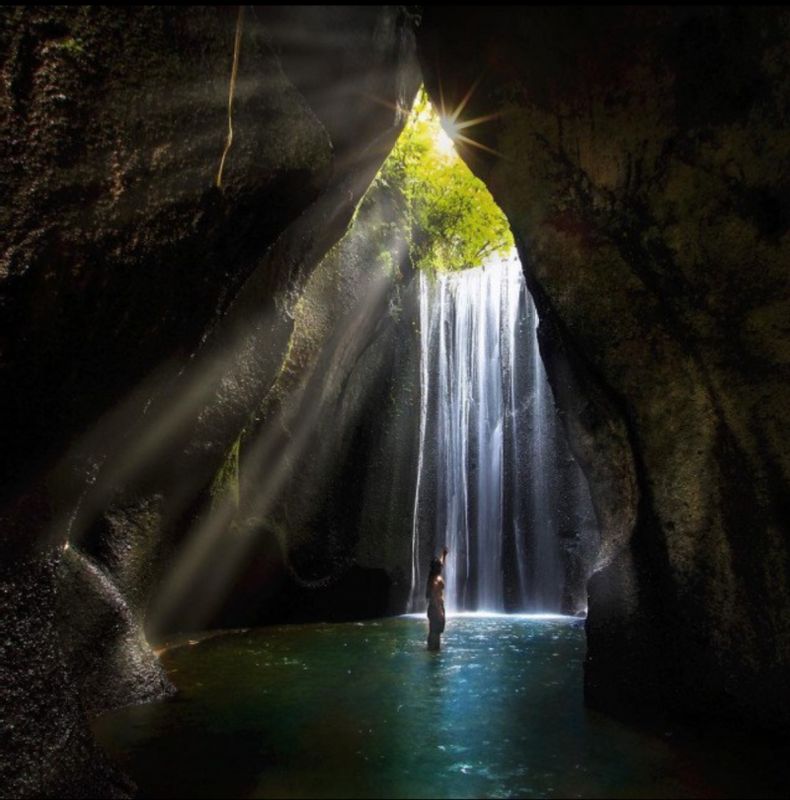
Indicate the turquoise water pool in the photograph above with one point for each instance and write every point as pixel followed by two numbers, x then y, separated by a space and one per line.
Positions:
pixel 362 710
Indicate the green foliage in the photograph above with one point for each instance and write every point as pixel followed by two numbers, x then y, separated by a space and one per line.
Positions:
pixel 455 223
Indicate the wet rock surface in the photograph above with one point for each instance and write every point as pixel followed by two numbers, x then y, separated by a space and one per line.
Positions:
pixel 321 482
pixel 102 639
pixel 46 748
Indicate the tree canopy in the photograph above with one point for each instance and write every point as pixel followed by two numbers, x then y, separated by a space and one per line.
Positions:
pixel 455 223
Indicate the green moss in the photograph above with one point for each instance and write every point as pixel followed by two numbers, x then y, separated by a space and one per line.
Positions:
pixel 225 485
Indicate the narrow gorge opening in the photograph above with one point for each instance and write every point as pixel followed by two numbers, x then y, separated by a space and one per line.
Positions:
pixel 412 373
pixel 495 480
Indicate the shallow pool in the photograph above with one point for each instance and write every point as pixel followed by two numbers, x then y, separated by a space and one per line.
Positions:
pixel 363 710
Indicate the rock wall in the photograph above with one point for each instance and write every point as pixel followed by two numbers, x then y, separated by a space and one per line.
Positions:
pixel 102 639
pixel 321 483
pixel 118 248
pixel 347 501
pixel 643 166
pixel 136 297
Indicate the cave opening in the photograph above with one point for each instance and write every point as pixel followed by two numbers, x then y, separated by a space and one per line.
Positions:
pixel 412 373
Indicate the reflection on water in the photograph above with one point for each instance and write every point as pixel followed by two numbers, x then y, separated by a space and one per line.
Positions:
pixel 362 710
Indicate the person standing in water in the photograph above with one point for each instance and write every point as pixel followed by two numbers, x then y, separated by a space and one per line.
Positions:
pixel 434 594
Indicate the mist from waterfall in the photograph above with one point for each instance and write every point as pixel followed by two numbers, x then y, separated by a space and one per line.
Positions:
pixel 488 428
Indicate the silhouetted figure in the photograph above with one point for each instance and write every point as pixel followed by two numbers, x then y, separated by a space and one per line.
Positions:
pixel 434 594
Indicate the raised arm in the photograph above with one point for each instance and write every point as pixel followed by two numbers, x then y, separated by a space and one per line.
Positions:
pixel 444 555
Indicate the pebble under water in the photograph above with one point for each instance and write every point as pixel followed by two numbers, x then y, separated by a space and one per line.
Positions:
pixel 363 710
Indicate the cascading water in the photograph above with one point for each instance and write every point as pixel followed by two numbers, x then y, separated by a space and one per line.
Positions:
pixel 488 428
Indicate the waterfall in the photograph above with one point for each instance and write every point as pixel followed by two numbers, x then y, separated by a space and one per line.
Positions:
pixel 486 445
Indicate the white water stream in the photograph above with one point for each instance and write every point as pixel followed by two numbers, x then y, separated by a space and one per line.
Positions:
pixel 486 422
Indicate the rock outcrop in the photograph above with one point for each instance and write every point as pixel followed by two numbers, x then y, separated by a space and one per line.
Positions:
pixel 46 747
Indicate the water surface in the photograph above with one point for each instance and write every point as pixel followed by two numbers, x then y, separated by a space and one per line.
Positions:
pixel 362 710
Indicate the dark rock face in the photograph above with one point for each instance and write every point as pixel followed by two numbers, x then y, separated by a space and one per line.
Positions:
pixel 145 303
pixel 643 169
pixel 46 748
pixel 102 639
pixel 118 248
